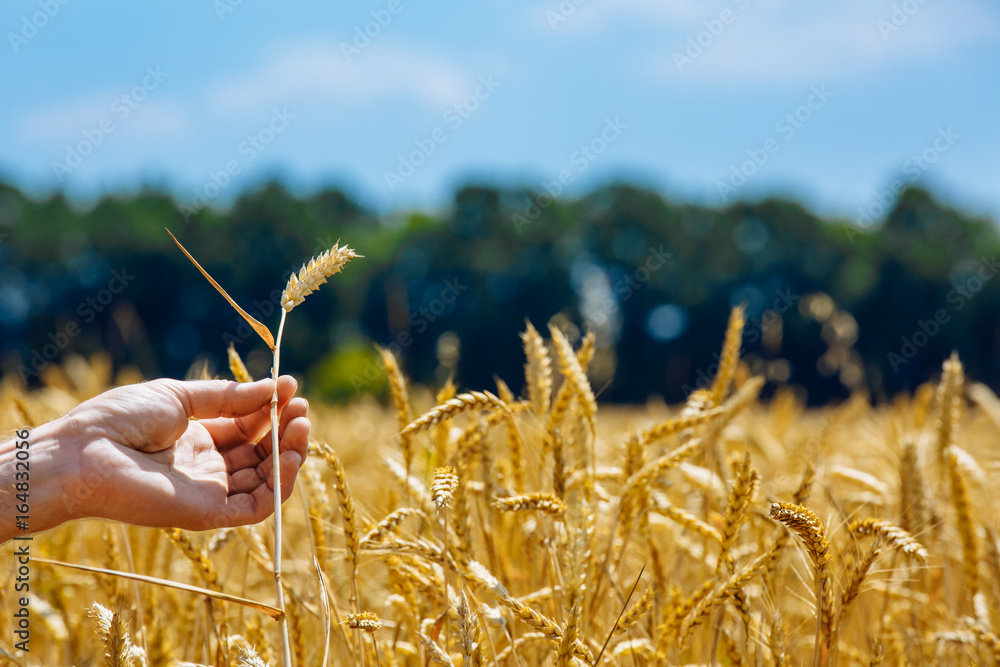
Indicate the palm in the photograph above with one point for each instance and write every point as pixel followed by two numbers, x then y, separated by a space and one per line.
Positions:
pixel 189 473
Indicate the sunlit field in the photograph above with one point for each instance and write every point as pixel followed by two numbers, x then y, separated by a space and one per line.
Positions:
pixel 466 525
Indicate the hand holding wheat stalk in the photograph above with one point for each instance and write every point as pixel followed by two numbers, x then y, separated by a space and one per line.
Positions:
pixel 308 280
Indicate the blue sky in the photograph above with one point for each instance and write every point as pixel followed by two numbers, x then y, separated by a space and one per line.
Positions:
pixel 188 89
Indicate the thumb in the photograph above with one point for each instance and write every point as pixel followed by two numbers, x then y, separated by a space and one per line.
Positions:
pixel 207 399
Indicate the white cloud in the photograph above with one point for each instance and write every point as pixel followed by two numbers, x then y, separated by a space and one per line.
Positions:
pixel 320 70
pixel 775 40
pixel 69 120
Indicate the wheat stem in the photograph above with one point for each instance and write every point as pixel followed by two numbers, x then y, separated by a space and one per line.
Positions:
pixel 286 656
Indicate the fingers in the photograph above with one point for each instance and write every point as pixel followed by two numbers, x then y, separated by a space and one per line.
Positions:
pixel 248 454
pixel 298 408
pixel 228 432
pixel 256 504
pixel 209 399
pixel 251 475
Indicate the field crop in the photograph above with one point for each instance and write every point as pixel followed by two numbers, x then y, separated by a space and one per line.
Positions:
pixel 478 527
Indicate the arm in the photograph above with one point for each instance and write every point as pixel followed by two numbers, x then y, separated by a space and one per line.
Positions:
pixel 51 469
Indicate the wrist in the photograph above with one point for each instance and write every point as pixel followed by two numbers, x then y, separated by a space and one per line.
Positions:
pixel 40 473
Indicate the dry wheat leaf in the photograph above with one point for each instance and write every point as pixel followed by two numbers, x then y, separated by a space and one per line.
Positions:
pixel 261 330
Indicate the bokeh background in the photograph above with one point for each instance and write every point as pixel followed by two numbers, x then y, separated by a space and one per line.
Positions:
pixel 632 166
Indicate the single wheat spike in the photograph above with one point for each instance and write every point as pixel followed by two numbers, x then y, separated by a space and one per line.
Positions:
pixel 859 572
pixel 744 488
pixel 248 657
pixel 466 629
pixel 475 400
pixel 689 521
pixel 111 629
pixel 803 522
pixel 878 655
pixel 503 391
pixel 537 370
pixel 366 620
pixel 716 595
pixel 912 501
pixel 776 641
pixel 435 654
pixel 314 274
pixel 388 524
pixel 401 401
pixel 443 486
pixel 650 471
pixel 966 522
pixel 257 640
pixel 892 535
pixel 989 640
pixel 351 533
pixel 237 367
pixel 294 611
pixel 949 401
pixel 637 611
pixel 730 356
pixel 198 557
pixel 744 395
pixel 571 369
pixel 439 433
pixel 543 502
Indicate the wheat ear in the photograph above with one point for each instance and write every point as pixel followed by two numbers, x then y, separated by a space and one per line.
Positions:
pixel 314 274
pixel 803 522
pixel 730 356
pixel 537 370
pixel 475 400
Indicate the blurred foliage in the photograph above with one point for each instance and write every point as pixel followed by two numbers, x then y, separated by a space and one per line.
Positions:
pixel 654 278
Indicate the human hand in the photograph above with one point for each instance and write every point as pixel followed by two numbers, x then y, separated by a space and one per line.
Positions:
pixel 193 455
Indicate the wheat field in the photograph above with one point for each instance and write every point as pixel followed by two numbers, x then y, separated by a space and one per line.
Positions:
pixel 472 526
